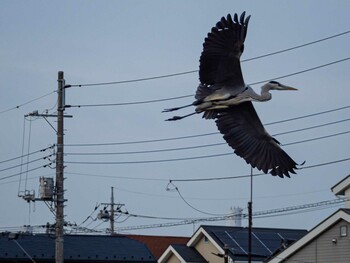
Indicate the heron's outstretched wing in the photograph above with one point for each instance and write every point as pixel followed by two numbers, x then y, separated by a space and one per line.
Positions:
pixel 244 132
pixel 222 48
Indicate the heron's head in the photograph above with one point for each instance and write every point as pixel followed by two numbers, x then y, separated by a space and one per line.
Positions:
pixel 274 85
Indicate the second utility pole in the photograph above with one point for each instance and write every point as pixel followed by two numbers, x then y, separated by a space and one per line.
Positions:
pixel 59 171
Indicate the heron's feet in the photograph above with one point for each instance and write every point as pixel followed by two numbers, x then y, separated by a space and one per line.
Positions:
pixel 175 118
pixel 171 109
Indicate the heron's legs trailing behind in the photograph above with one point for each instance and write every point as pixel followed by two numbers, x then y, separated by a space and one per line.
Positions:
pixel 177 108
pixel 175 118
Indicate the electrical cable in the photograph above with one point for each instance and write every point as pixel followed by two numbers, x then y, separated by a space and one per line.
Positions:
pixel 145 151
pixel 25 103
pixel 255 175
pixel 201 179
pixel 317 138
pixel 205 134
pixel 186 96
pixel 221 218
pixel 185 201
pixel 215 144
pixel 26 163
pixel 275 212
pixel 302 71
pixel 119 177
pixel 30 170
pixel 193 157
pixel 194 71
pixel 24 155
pixel 142 141
pixel 89 216
pixel 127 103
pixel 312 127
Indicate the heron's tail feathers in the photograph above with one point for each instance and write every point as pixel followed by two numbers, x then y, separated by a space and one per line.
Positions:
pixel 210 114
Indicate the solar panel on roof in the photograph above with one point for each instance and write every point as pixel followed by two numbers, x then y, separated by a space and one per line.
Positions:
pixel 225 239
pixel 271 240
pixel 264 241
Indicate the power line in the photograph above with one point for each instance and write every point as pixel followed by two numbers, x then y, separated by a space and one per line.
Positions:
pixel 312 127
pixel 142 141
pixel 204 134
pixel 146 151
pixel 317 138
pixel 184 221
pixel 303 71
pixel 24 155
pixel 172 75
pixel 279 212
pixel 248 175
pixel 215 144
pixel 193 157
pixel 127 103
pixel 149 161
pixel 186 96
pixel 120 177
pixel 26 163
pixel 185 201
pixel 194 71
pixel 202 179
pixel 25 103
pixel 30 170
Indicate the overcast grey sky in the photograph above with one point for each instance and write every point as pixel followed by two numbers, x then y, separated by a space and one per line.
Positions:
pixel 107 41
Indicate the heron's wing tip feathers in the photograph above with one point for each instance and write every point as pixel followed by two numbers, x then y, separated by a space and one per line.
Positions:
pixel 244 132
pixel 222 48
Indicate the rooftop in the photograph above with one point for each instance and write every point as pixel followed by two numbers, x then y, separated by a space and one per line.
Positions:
pixel 76 247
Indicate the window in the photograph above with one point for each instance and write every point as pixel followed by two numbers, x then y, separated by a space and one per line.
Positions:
pixel 206 240
pixel 343 231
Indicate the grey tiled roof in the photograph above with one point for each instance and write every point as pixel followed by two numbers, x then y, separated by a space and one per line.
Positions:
pixel 189 254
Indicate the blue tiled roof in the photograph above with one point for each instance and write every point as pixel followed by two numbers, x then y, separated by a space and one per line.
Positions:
pixel 76 247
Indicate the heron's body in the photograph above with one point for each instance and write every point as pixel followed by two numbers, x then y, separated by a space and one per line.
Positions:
pixel 223 95
pixel 223 98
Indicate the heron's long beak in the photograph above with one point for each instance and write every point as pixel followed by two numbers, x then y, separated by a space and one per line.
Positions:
pixel 284 87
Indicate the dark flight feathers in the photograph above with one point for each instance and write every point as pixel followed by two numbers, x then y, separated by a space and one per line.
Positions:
pixel 242 129
pixel 222 48
pixel 244 132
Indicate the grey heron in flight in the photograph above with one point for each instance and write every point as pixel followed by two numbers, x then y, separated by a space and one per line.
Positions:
pixel 223 95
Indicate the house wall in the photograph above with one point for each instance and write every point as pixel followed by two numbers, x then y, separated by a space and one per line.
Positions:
pixel 324 250
pixel 347 195
pixel 206 248
pixel 173 259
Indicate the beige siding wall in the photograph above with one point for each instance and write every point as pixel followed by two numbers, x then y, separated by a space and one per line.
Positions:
pixel 347 195
pixel 206 249
pixel 173 259
pixel 323 250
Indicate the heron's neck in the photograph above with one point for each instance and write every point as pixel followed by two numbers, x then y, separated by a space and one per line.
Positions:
pixel 264 95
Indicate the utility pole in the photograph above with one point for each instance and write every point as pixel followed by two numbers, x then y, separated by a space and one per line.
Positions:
pixel 58 195
pixel 112 211
pixel 250 217
pixel 115 207
pixel 59 170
